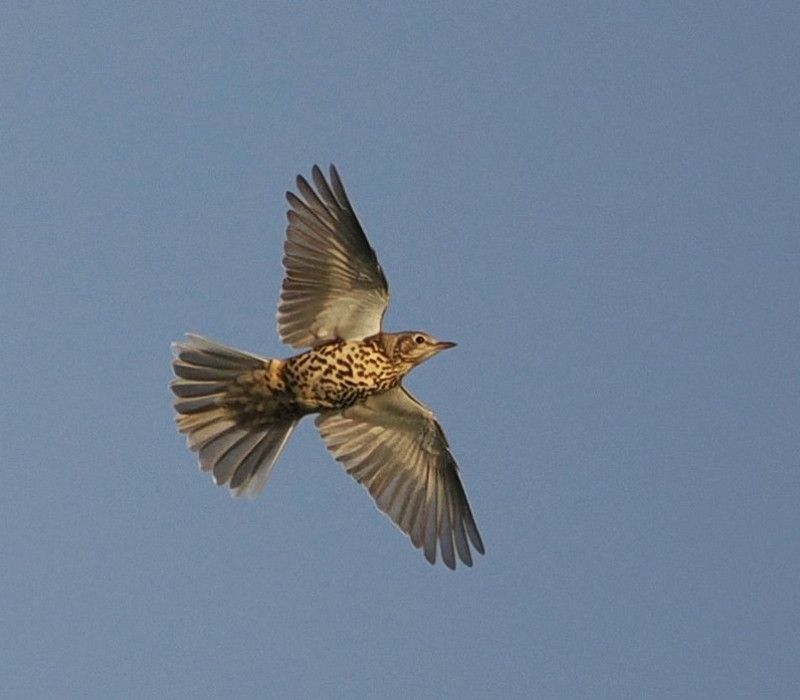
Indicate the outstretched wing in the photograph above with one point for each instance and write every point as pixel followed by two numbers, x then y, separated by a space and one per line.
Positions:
pixel 393 445
pixel 334 286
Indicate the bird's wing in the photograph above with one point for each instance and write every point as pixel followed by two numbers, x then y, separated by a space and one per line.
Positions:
pixel 393 445
pixel 334 286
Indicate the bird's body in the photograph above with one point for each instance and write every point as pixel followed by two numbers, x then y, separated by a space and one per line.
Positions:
pixel 238 409
pixel 337 374
pixel 340 373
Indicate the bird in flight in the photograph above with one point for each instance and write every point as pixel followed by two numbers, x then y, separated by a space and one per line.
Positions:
pixel 238 410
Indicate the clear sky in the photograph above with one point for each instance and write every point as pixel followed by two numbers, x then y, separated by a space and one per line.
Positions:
pixel 600 202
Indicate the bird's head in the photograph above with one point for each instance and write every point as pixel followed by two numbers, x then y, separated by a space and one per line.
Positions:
pixel 413 347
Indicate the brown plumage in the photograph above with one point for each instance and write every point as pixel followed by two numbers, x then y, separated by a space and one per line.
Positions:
pixel 238 409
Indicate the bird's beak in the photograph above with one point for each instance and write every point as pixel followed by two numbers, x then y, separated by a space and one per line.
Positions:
pixel 444 345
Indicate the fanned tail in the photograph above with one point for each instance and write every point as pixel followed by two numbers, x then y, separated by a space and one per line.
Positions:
pixel 238 450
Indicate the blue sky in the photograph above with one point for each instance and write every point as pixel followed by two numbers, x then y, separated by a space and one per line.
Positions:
pixel 597 201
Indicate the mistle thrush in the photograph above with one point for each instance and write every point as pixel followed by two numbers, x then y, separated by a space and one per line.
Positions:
pixel 238 409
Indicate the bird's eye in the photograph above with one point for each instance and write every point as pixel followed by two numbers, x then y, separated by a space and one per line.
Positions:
pixel 419 340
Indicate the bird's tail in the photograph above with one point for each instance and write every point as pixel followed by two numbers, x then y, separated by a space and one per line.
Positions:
pixel 237 446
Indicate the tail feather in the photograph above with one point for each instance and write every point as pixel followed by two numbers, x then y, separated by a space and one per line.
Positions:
pixel 192 389
pixel 237 455
pixel 249 473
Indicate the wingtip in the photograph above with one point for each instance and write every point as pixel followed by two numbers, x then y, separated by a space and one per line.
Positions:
pixel 300 182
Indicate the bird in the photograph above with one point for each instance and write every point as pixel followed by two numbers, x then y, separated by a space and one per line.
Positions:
pixel 238 410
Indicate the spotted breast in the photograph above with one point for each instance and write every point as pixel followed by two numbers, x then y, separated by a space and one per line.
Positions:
pixel 338 374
